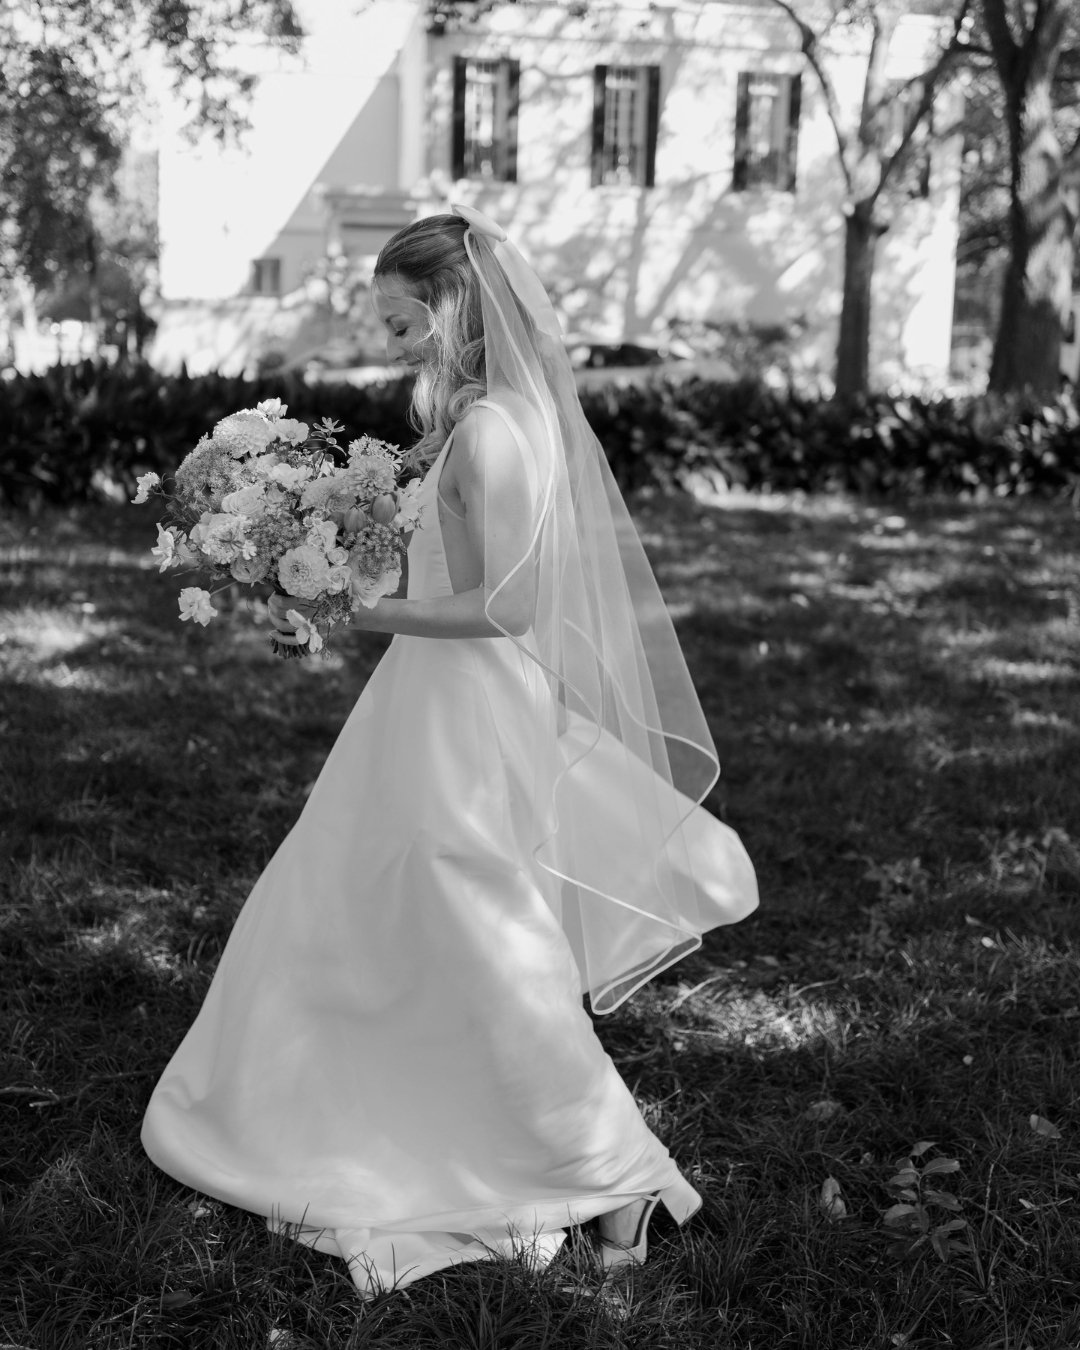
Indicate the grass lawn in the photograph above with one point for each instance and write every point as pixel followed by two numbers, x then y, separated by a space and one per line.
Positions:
pixel 895 694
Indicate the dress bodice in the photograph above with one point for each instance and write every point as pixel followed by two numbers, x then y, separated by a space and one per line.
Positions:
pixel 429 574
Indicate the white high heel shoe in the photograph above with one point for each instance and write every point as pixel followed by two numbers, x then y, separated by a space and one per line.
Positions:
pixel 679 1199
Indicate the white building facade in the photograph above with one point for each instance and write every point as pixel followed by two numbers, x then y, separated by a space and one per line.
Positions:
pixel 659 164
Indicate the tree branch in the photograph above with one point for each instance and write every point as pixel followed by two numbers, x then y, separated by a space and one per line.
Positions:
pixel 832 107
pixel 929 81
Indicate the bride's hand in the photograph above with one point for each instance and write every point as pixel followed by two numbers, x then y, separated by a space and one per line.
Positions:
pixel 279 605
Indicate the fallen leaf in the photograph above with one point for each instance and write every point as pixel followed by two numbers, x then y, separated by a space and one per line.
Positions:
pixel 831 1200
pixel 1044 1127
pixel 824 1109
pixel 179 1298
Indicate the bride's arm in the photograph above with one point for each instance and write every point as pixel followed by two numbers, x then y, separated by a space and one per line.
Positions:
pixel 491 482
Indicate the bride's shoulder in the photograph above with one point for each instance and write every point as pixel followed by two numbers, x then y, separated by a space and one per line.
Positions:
pixel 487 429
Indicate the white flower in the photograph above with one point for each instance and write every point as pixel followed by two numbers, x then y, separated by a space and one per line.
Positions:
pixel 330 493
pixel 249 569
pixel 289 429
pixel 304 572
pixel 288 476
pixel 408 512
pixel 195 604
pixel 244 433
pixel 340 578
pixel 221 537
pixel 368 591
pixel 306 632
pixel 322 535
pixel 371 470
pixel 246 501
pixel 273 408
pixel 164 552
pixel 336 556
pixel 144 485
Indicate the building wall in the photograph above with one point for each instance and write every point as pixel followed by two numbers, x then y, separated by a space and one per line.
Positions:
pixel 354 139
pixel 629 260
pixel 331 117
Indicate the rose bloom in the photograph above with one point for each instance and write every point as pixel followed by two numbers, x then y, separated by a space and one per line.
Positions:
pixel 245 501
pixel 304 572
pixel 368 591
pixel 322 534
pixel 340 579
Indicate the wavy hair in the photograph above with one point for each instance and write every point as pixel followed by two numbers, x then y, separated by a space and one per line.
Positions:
pixel 428 258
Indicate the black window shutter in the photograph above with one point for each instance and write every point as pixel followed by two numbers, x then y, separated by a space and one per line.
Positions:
pixel 791 150
pixel 652 122
pixel 457 134
pixel 740 176
pixel 599 96
pixel 924 158
pixel 513 80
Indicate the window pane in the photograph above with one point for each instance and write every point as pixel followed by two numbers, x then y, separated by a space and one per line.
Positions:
pixel 624 125
pixel 483 108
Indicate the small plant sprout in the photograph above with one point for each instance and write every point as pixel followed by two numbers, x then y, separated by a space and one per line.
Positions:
pixel 921 1214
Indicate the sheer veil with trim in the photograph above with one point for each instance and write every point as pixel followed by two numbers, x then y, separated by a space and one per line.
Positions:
pixel 626 722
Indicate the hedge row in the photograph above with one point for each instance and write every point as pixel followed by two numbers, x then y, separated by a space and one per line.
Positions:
pixel 66 434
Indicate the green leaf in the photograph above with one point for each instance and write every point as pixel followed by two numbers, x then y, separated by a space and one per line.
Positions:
pixel 897 1213
pixel 940 1244
pixel 937 1166
pixel 907 1176
pixel 917 1150
pixel 942 1198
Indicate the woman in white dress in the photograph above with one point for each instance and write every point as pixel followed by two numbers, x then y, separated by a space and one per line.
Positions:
pixel 393 1062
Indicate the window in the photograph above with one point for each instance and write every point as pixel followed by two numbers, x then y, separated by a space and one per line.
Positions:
pixel 266 276
pixel 626 114
pixel 902 99
pixel 485 119
pixel 766 130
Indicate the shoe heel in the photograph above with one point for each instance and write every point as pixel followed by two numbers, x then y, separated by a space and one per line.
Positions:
pixel 680 1200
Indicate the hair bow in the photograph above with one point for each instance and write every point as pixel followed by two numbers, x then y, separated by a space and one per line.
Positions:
pixel 478 222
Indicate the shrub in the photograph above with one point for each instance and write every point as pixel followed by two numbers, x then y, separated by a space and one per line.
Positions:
pixel 66 434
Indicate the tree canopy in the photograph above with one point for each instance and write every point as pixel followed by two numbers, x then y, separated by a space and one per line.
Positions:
pixel 71 81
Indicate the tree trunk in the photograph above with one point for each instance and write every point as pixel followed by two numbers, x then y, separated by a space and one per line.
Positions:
pixel 862 231
pixel 93 286
pixel 1037 293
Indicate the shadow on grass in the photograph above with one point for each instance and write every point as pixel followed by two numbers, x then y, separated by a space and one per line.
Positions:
pixel 894 694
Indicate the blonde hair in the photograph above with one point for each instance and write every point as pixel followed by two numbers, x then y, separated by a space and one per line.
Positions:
pixel 428 259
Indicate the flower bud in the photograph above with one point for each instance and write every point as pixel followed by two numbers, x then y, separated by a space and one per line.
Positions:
pixel 353 519
pixel 384 508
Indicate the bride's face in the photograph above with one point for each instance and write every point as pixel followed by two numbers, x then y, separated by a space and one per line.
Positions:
pixel 405 319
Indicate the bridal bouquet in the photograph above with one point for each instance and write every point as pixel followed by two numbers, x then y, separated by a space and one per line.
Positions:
pixel 263 498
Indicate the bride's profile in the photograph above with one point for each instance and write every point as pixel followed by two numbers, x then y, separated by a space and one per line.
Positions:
pixel 393 1062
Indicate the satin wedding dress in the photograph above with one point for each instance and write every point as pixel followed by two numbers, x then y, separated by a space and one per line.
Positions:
pixel 393 1061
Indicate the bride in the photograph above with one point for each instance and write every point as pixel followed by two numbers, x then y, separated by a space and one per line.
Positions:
pixel 393 1062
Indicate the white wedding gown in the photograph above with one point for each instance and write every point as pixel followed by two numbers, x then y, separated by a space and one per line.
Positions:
pixel 393 1056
